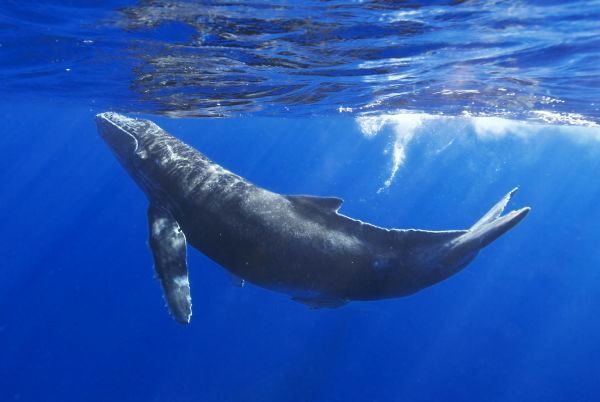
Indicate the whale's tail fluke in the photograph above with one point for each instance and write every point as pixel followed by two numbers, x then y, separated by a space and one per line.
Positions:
pixel 491 226
pixel 448 252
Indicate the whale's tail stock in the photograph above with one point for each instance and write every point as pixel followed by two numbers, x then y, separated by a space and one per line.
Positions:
pixel 491 226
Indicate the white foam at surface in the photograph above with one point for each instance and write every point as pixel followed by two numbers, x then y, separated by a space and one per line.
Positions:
pixel 564 118
pixel 491 127
pixel 405 126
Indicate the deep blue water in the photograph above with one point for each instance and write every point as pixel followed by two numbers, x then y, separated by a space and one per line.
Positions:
pixel 82 317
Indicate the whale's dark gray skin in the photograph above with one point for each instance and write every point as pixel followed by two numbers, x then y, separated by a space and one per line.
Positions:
pixel 296 244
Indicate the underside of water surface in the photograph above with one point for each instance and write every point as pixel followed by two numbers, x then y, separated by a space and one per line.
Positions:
pixel 517 59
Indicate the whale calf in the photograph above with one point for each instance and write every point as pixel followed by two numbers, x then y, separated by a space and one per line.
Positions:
pixel 297 244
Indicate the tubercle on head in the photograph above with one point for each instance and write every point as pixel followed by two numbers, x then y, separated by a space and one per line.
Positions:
pixel 141 153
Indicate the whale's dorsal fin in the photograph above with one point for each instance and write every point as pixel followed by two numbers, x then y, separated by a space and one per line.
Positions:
pixel 168 246
pixel 331 204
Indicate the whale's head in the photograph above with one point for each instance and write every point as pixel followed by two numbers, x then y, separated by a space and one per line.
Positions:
pixel 127 137
pixel 137 144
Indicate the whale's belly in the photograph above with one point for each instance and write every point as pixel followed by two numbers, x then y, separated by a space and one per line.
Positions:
pixel 267 242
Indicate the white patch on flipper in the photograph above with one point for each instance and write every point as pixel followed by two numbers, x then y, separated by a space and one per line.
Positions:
pixel 158 226
pixel 181 281
pixel 177 239
pixel 182 289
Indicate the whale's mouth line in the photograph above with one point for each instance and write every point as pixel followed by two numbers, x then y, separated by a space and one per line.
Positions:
pixel 106 117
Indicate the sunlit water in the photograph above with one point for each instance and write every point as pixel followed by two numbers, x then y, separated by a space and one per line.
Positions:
pixel 525 60
pixel 416 115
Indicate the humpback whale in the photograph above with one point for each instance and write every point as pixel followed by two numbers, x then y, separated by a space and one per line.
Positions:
pixel 296 244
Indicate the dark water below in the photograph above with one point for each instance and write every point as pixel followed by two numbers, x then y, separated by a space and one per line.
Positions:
pixel 416 115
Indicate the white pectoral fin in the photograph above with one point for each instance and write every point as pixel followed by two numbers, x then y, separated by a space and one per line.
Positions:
pixel 168 246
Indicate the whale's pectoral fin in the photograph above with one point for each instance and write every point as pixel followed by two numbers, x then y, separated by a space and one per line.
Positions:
pixel 168 246
pixel 329 204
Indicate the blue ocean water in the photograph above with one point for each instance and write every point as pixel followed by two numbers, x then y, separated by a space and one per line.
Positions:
pixel 417 115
